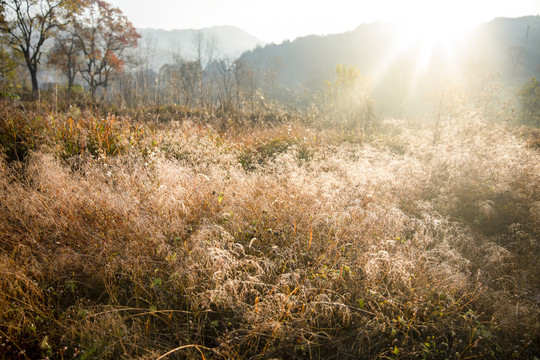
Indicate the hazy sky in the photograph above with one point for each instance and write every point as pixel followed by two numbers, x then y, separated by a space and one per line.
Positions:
pixel 277 20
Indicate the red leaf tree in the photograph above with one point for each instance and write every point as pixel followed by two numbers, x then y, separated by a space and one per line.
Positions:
pixel 103 35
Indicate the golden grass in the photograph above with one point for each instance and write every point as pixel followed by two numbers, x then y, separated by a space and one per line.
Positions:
pixel 391 246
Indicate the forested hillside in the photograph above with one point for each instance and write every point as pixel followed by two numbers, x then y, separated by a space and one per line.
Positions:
pixel 502 51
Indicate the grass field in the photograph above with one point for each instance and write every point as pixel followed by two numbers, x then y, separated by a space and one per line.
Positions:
pixel 127 238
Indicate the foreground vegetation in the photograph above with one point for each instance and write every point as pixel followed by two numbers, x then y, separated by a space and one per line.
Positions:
pixel 125 237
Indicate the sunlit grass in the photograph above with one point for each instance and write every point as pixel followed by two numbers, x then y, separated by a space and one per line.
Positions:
pixel 396 244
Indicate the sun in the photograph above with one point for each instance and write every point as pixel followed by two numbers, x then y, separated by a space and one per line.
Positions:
pixel 434 26
pixel 429 35
pixel 428 49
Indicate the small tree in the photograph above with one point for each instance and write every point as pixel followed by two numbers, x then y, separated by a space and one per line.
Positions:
pixel 28 24
pixel 144 75
pixel 347 102
pixel 230 76
pixel 530 102
pixel 103 35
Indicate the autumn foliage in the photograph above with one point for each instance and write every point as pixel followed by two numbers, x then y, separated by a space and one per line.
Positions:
pixel 91 38
pixel 103 34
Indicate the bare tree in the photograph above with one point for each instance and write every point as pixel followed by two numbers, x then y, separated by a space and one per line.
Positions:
pixel 230 77
pixel 198 44
pixel 143 85
pixel 205 53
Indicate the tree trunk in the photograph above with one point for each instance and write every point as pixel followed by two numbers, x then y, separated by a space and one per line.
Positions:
pixel 34 79
pixel 70 85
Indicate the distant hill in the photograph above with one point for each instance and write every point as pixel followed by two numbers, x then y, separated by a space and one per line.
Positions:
pixel 502 45
pixel 230 41
pixel 511 46
pixel 309 60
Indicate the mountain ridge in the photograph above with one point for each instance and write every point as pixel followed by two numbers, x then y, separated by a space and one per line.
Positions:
pixel 230 41
pixel 375 49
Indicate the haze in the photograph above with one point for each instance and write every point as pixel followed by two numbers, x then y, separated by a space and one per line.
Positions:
pixel 277 20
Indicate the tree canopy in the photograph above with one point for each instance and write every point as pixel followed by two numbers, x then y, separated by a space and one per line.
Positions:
pixel 92 36
pixel 28 24
pixel 103 34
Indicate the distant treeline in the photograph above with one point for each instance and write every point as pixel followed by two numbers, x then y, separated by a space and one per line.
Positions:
pixel 87 50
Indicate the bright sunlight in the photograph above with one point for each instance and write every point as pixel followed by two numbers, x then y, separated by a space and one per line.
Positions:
pixel 438 28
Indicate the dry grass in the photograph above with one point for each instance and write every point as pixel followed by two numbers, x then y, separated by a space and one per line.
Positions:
pixel 390 246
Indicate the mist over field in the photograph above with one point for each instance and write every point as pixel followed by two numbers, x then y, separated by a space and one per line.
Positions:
pixel 184 194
